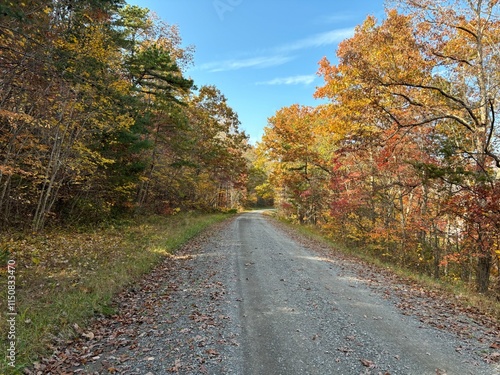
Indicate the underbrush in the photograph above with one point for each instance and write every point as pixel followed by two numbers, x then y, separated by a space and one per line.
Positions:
pixel 64 277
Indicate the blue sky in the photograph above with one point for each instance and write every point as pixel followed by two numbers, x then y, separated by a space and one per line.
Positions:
pixel 262 55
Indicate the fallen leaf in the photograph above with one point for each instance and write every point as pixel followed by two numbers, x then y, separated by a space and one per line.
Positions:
pixel 367 363
pixel 493 357
pixel 89 335
pixel 212 352
pixel 495 345
pixel 176 367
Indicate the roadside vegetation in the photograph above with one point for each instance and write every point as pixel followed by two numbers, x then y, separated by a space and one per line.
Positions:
pixel 64 277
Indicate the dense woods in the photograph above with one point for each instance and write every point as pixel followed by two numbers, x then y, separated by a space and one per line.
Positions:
pixel 112 157
pixel 98 119
pixel 403 160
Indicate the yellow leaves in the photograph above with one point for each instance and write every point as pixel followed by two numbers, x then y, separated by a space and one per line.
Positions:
pixel 6 33
pixel 121 86
pixel 368 25
pixel 291 125
pixel 123 121
pixel 94 43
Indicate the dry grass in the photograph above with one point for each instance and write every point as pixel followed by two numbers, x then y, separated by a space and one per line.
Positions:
pixel 64 277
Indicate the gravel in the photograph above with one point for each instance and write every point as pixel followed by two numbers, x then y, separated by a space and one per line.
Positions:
pixel 250 298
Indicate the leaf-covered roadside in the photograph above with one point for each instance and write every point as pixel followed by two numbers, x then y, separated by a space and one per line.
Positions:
pixel 171 321
pixel 181 318
pixel 65 277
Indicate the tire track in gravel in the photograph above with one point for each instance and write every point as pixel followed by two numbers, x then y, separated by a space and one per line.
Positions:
pixel 247 297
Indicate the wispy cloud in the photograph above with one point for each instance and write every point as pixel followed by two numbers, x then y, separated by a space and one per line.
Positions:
pixel 336 18
pixel 254 62
pixel 294 80
pixel 318 40
pixel 281 54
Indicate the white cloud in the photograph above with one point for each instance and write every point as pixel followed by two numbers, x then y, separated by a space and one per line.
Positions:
pixel 254 62
pixel 280 55
pixel 335 18
pixel 318 40
pixel 294 80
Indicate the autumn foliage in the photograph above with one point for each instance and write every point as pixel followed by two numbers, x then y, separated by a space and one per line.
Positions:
pixel 98 119
pixel 403 160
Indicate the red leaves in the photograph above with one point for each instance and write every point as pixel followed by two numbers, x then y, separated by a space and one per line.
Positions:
pixel 410 157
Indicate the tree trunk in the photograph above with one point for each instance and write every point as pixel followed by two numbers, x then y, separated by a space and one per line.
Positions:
pixel 484 264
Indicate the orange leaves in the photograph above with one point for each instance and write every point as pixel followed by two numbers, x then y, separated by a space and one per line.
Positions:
pixel 296 142
pixel 408 140
pixel 290 133
pixel 371 61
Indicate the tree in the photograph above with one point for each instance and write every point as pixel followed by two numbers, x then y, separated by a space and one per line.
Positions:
pixel 62 77
pixel 258 189
pixel 91 93
pixel 460 39
pixel 217 148
pixel 431 73
pixel 298 169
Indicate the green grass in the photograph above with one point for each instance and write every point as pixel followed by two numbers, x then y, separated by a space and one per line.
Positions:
pixel 65 277
pixel 460 292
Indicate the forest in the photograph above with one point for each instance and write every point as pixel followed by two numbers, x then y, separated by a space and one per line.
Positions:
pixel 97 118
pixel 402 159
pixel 111 157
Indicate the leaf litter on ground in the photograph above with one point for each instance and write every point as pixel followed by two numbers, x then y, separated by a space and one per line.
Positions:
pixel 172 321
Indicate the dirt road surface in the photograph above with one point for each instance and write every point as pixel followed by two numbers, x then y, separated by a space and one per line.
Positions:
pixel 250 297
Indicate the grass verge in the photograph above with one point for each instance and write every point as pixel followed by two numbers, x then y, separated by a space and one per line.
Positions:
pixel 460 292
pixel 64 277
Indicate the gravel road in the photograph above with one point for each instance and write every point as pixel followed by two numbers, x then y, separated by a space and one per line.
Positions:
pixel 251 298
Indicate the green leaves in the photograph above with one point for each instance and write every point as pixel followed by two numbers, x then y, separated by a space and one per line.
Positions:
pixel 154 72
